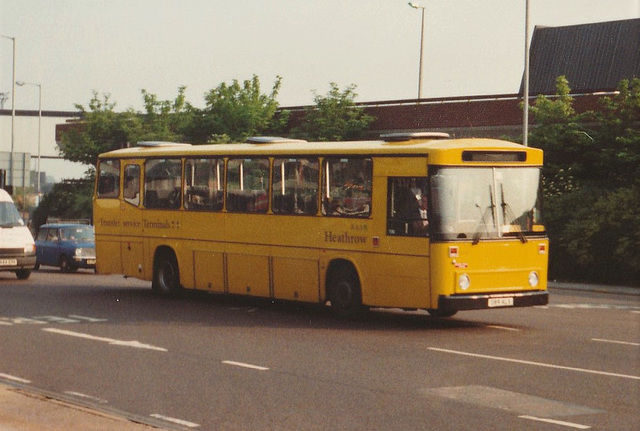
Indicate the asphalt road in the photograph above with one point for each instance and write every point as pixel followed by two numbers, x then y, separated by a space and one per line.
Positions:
pixel 210 362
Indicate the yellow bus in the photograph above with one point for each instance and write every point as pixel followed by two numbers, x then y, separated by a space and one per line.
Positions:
pixel 412 221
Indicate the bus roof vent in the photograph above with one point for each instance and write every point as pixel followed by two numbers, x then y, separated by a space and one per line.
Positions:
pixel 155 144
pixel 397 137
pixel 272 140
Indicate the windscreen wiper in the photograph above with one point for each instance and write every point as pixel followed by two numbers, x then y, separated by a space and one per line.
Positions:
pixel 483 221
pixel 508 212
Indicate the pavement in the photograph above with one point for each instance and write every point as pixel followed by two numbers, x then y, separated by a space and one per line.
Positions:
pixel 24 409
pixel 27 409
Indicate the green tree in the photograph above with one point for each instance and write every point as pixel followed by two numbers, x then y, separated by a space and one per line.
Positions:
pixel 236 111
pixel 165 120
pixel 592 184
pixel 66 201
pixel 102 129
pixel 335 117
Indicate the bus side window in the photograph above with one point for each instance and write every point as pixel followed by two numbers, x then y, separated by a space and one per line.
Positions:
pixel 162 183
pixel 346 187
pixel 109 179
pixel 131 188
pixel 295 186
pixel 203 188
pixel 247 185
pixel 407 206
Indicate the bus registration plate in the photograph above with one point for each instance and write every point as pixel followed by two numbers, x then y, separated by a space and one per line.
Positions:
pixel 500 302
pixel 8 262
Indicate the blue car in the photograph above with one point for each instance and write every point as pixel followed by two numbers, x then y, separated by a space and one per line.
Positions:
pixel 66 245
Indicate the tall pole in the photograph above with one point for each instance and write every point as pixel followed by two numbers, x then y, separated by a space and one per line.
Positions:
pixel 417 6
pixel 525 106
pixel 21 83
pixel 13 106
pixel 39 139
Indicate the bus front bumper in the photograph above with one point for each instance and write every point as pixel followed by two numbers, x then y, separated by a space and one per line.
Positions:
pixel 490 301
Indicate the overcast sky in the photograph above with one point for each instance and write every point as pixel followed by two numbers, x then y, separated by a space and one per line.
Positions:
pixel 73 47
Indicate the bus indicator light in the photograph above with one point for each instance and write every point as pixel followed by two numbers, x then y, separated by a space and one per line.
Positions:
pixel 453 251
pixel 542 248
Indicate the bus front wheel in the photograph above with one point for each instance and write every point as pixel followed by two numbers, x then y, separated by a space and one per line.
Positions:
pixel 344 294
pixel 435 312
pixel 166 276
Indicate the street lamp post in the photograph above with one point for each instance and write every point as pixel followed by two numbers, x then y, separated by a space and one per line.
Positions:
pixel 13 106
pixel 417 6
pixel 525 90
pixel 21 83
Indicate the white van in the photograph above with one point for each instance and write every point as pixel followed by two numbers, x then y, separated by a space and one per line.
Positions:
pixel 17 249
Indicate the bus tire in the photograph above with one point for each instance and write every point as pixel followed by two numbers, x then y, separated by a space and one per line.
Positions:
pixel 436 312
pixel 344 293
pixel 23 274
pixel 166 275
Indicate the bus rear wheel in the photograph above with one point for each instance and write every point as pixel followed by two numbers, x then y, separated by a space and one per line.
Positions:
pixel 166 276
pixel 344 294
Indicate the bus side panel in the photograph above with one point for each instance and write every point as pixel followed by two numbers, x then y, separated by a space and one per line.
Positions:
pixel 396 281
pixel 133 259
pixel 208 269
pixel 248 274
pixel 296 279
pixel 109 254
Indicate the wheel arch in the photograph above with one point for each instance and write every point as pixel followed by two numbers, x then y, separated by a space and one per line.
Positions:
pixel 336 267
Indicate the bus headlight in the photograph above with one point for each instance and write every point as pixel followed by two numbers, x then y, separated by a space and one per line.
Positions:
pixel 533 279
pixel 464 282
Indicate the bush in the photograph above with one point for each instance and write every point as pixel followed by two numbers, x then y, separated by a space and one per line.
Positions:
pixel 595 235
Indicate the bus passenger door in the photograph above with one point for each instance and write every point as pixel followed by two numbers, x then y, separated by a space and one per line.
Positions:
pixel 401 260
pixel 132 249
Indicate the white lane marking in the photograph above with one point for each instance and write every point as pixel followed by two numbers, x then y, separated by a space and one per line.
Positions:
pixel 242 364
pixel 88 397
pixel 135 344
pixel 556 422
pixel 2 322
pixel 175 421
pixel 615 341
pixel 538 364
pixel 14 378
pixel 632 308
pixel 506 328
pixel 88 319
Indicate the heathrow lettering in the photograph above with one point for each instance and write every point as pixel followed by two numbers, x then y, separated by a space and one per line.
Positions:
pixel 344 238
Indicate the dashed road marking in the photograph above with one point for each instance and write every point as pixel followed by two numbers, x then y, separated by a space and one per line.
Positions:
pixel 14 378
pixel 86 397
pixel 135 344
pixel 88 319
pixel 538 364
pixel 175 421
pixel 243 365
pixel 505 328
pixel 556 422
pixel 632 308
pixel 601 340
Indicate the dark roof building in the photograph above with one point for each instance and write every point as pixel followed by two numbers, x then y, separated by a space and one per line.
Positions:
pixel 594 57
